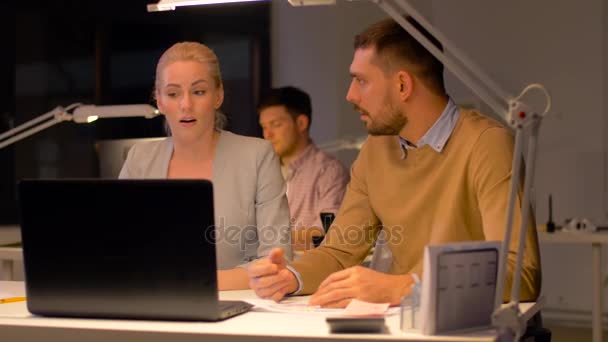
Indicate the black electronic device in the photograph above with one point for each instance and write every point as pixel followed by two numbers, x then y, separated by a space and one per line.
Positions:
pixel 326 220
pixel 550 224
pixel 136 249
pixel 352 324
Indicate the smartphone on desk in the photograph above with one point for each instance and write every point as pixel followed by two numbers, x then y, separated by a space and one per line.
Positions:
pixel 326 220
pixel 356 324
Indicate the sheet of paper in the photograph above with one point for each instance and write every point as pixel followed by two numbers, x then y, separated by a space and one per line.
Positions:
pixel 290 305
pixel 298 305
pixel 360 308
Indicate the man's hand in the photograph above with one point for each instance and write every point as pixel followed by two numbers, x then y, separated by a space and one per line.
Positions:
pixel 270 278
pixel 362 283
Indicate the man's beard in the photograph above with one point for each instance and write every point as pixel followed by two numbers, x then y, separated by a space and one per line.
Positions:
pixel 389 121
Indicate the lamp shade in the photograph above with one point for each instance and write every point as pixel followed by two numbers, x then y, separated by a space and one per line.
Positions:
pixel 170 5
pixel 89 113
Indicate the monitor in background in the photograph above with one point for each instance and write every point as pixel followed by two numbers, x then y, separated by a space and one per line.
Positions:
pixel 113 153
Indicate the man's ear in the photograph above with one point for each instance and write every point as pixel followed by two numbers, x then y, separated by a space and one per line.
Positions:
pixel 405 84
pixel 302 123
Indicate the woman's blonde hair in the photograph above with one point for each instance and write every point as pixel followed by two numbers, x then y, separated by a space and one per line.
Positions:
pixel 192 51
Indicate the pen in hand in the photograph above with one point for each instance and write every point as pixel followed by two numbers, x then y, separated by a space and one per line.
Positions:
pixel 11 300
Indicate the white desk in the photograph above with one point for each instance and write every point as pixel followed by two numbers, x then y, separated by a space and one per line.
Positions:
pixel 595 240
pixel 17 324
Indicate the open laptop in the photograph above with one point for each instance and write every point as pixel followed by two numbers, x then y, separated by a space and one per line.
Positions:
pixel 136 249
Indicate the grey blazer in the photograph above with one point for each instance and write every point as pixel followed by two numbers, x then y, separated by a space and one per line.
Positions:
pixel 251 211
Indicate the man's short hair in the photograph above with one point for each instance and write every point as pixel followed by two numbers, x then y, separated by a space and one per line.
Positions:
pixel 397 49
pixel 296 101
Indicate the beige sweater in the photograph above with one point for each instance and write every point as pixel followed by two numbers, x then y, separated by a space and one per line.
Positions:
pixel 460 194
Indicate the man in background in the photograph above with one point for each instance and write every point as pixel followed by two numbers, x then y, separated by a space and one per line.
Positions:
pixel 315 180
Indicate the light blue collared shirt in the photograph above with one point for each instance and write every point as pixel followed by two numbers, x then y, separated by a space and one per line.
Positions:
pixel 440 132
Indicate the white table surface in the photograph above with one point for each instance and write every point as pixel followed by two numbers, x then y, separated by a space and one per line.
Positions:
pixel 574 237
pixel 17 324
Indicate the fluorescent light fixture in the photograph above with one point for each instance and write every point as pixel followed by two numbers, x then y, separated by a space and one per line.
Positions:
pixel 297 3
pixel 170 5
pixel 78 113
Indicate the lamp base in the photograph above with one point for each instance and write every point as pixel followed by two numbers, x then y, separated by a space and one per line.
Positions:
pixel 511 323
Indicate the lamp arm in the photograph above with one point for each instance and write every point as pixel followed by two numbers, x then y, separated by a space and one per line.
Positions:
pixel 463 75
pixel 36 125
pixel 506 242
pixel 529 178
pixel 41 118
pixel 462 66
pixel 509 319
pixel 78 113
pixel 466 71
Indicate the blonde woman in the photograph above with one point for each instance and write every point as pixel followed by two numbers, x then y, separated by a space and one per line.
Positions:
pixel 251 212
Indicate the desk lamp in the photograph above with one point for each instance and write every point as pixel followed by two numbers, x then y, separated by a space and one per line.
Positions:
pixel 75 112
pixel 511 110
pixel 170 5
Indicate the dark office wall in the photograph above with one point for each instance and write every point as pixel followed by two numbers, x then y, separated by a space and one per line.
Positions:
pixel 104 52
pixel 7 108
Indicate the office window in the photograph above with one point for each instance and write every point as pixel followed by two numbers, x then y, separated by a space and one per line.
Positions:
pixel 104 52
